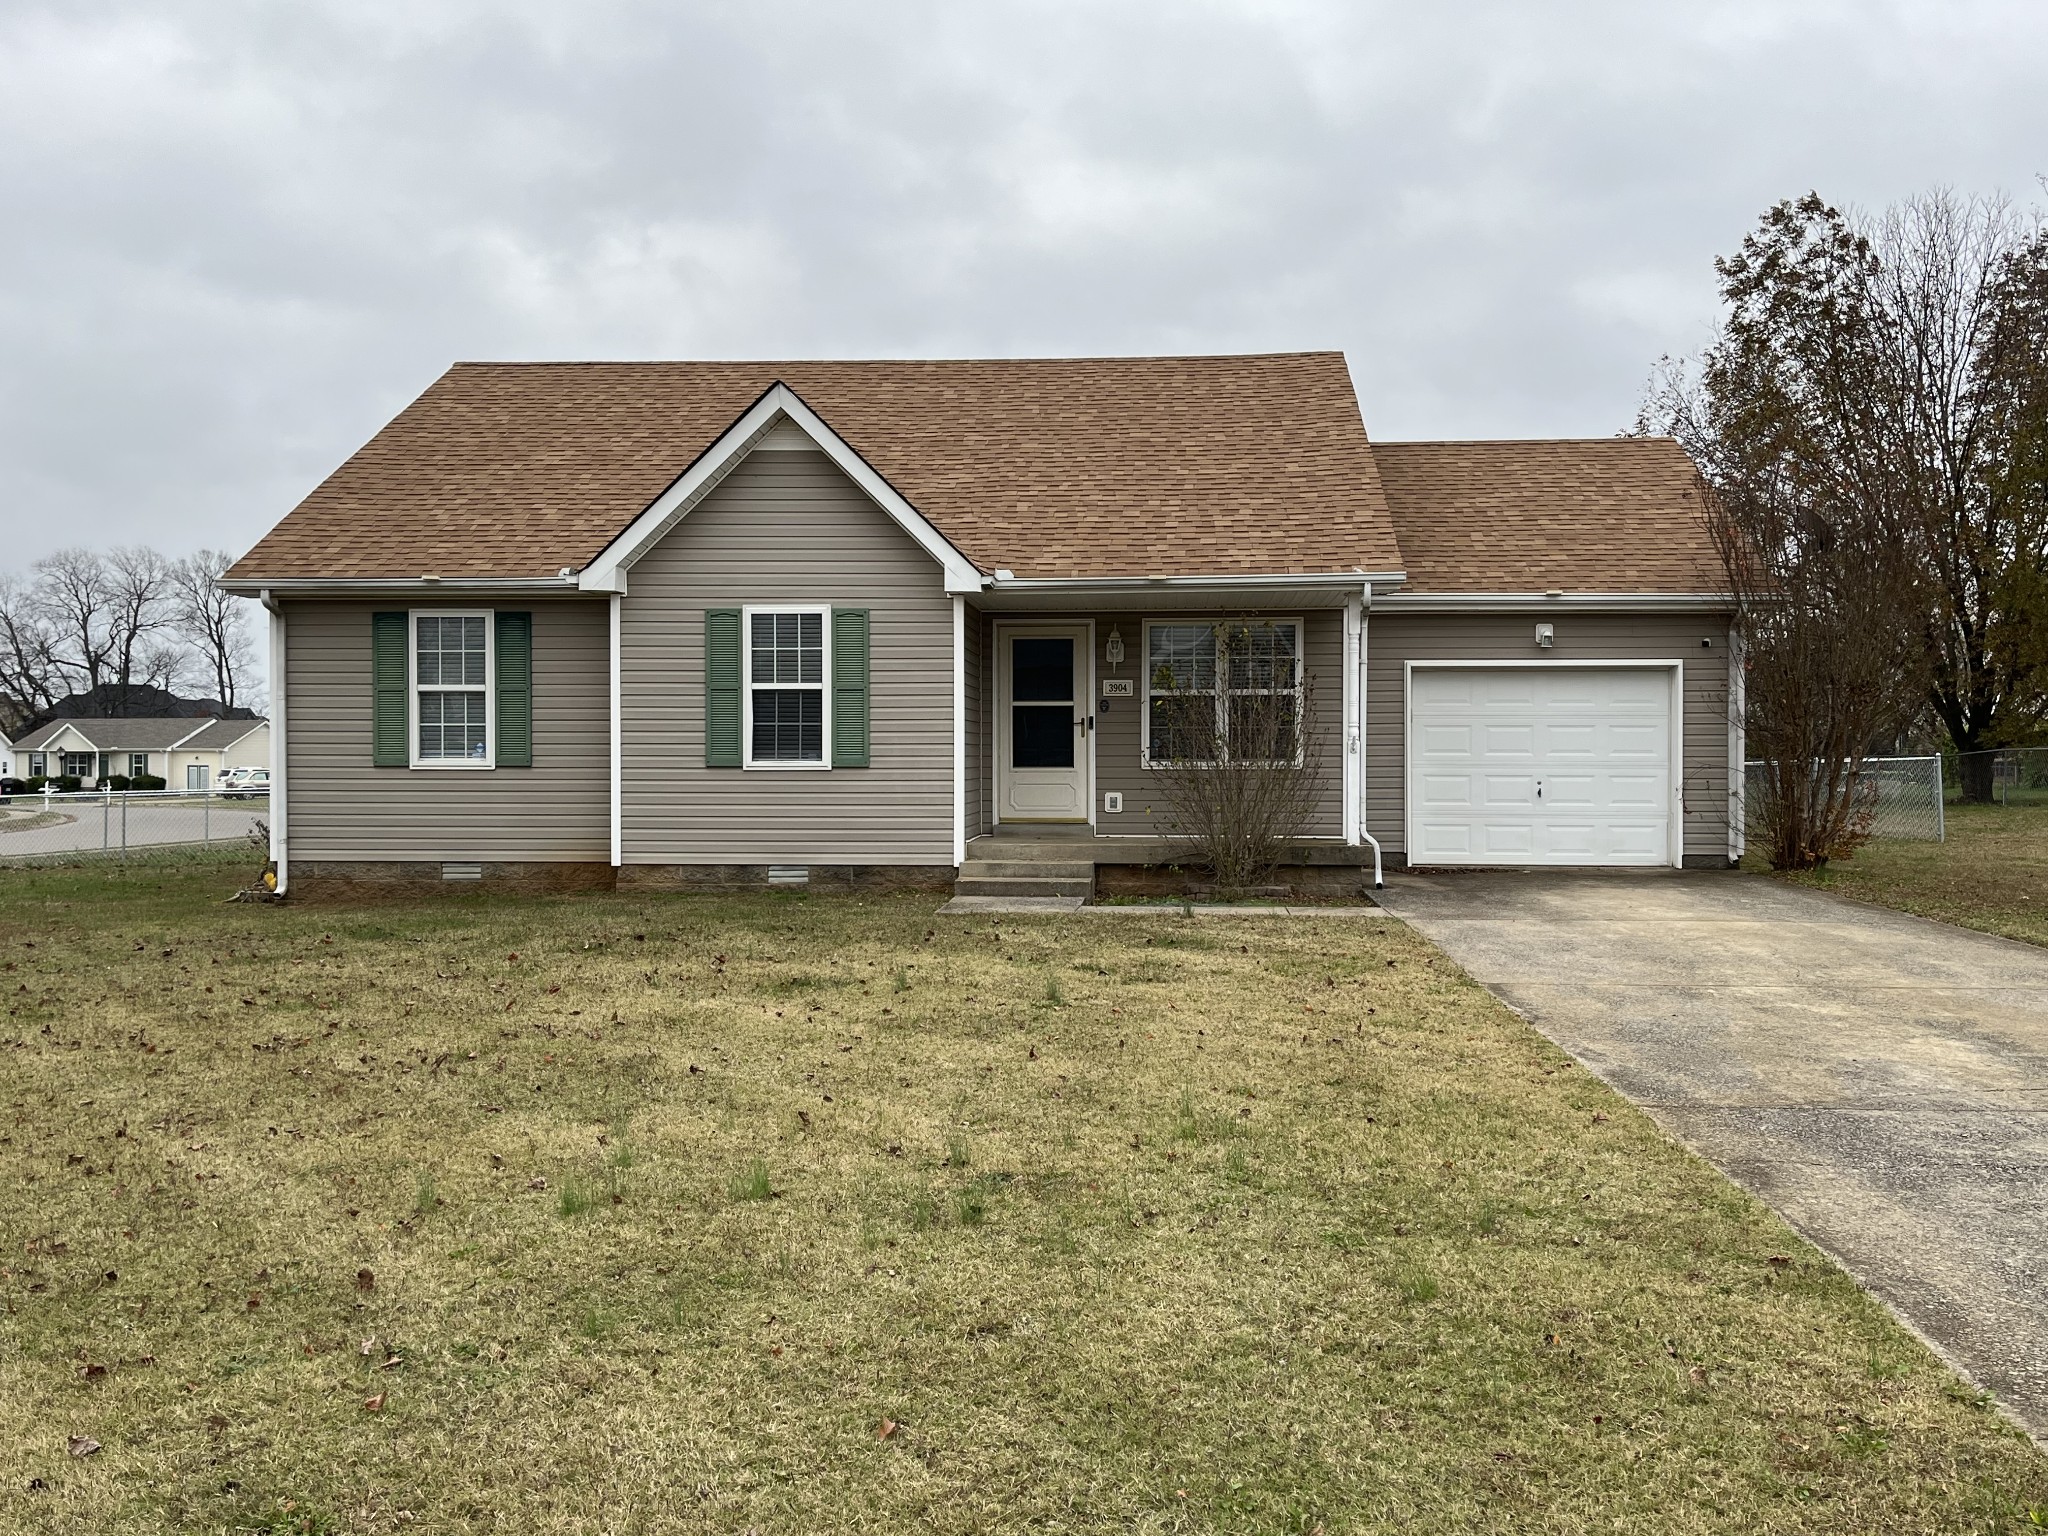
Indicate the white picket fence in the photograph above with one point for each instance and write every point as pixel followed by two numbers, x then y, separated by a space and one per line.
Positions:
pixel 1904 794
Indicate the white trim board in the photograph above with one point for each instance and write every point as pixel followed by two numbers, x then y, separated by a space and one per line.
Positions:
pixel 608 572
pixel 1675 814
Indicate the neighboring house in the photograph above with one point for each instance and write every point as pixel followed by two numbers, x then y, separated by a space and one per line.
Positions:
pixel 672 623
pixel 185 751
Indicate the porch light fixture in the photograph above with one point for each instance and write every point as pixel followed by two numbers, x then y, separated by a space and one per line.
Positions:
pixel 1113 648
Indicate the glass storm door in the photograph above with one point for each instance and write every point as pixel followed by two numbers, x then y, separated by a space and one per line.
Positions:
pixel 1042 737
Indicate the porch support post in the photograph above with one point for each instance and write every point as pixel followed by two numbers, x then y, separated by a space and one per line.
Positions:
pixel 959 731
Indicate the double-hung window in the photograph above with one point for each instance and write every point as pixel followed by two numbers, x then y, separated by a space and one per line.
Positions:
pixel 80 765
pixel 138 764
pixel 788 659
pixel 450 659
pixel 1225 692
pixel 38 765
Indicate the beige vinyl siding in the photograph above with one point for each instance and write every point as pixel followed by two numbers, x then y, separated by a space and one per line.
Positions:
pixel 1119 731
pixel 1393 639
pixel 787 528
pixel 974 718
pixel 342 808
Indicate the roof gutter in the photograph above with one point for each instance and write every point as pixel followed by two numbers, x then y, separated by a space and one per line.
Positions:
pixel 1348 580
pixel 269 590
pixel 1553 602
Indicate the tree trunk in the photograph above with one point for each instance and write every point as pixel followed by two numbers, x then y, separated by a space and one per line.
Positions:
pixel 1975 776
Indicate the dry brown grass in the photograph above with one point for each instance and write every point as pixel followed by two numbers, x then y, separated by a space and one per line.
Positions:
pixel 1123 1222
pixel 1991 874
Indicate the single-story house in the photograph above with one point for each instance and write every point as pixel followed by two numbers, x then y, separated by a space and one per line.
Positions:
pixel 185 751
pixel 658 624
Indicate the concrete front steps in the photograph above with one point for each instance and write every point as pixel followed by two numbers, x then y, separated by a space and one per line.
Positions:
pixel 1025 864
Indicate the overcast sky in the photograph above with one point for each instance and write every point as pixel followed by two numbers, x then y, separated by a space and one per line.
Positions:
pixel 238 237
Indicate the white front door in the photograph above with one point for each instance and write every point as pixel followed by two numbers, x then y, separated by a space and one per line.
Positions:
pixel 1042 737
pixel 1541 765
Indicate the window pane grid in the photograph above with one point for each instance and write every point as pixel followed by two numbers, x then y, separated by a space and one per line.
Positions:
pixel 789 725
pixel 1207 684
pixel 451 675
pixel 451 652
pixel 785 687
pixel 451 724
pixel 788 648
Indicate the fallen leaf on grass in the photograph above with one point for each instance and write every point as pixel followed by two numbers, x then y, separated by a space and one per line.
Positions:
pixel 888 1428
pixel 366 1280
pixel 374 1404
pixel 83 1445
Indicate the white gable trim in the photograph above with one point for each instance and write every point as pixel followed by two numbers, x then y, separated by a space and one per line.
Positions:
pixel 607 573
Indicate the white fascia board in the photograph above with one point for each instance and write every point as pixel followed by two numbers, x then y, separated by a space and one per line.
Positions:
pixel 607 573
pixel 1517 602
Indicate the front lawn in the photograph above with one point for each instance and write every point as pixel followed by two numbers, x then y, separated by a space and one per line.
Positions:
pixel 1991 874
pixel 810 1215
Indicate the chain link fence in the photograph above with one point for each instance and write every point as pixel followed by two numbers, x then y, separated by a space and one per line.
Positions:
pixel 129 827
pixel 1903 795
pixel 2009 776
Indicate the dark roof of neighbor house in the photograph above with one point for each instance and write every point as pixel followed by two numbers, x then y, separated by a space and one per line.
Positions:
pixel 142 733
pixel 1609 515
pixel 1053 467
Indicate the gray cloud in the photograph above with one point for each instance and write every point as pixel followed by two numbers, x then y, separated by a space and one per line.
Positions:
pixel 241 235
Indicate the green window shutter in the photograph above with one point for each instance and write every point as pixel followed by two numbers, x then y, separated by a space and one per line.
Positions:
pixel 515 689
pixel 849 688
pixel 389 747
pixel 721 688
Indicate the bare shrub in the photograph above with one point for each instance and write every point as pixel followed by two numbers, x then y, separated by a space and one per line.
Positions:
pixel 1238 761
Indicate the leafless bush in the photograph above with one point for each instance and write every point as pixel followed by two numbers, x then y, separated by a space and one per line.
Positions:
pixel 1239 766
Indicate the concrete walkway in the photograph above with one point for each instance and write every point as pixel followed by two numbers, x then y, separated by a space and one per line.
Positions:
pixel 1880 1080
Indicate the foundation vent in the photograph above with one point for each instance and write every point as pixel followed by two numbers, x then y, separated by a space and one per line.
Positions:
pixel 788 874
pixel 462 871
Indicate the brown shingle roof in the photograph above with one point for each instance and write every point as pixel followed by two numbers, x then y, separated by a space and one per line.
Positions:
pixel 1616 514
pixel 1048 467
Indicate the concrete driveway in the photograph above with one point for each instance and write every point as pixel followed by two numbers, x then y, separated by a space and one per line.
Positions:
pixel 1880 1080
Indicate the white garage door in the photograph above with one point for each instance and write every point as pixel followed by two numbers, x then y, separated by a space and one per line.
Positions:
pixel 1540 765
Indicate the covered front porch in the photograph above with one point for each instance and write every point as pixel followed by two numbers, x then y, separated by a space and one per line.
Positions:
pixel 1072 712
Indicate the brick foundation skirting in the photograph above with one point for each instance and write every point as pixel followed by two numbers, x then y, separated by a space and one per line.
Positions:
pixel 832 879
pixel 1184 880
pixel 321 880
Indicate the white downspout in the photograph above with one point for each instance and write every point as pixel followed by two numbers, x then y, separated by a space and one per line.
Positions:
pixel 617 744
pixel 959 731
pixel 1379 882
pixel 279 859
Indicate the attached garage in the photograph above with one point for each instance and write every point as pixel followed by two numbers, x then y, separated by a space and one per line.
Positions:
pixel 1549 762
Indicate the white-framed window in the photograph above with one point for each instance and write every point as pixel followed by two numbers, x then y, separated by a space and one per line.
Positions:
pixel 81 765
pixel 787 722
pixel 1222 691
pixel 449 667
pixel 39 765
pixel 138 764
